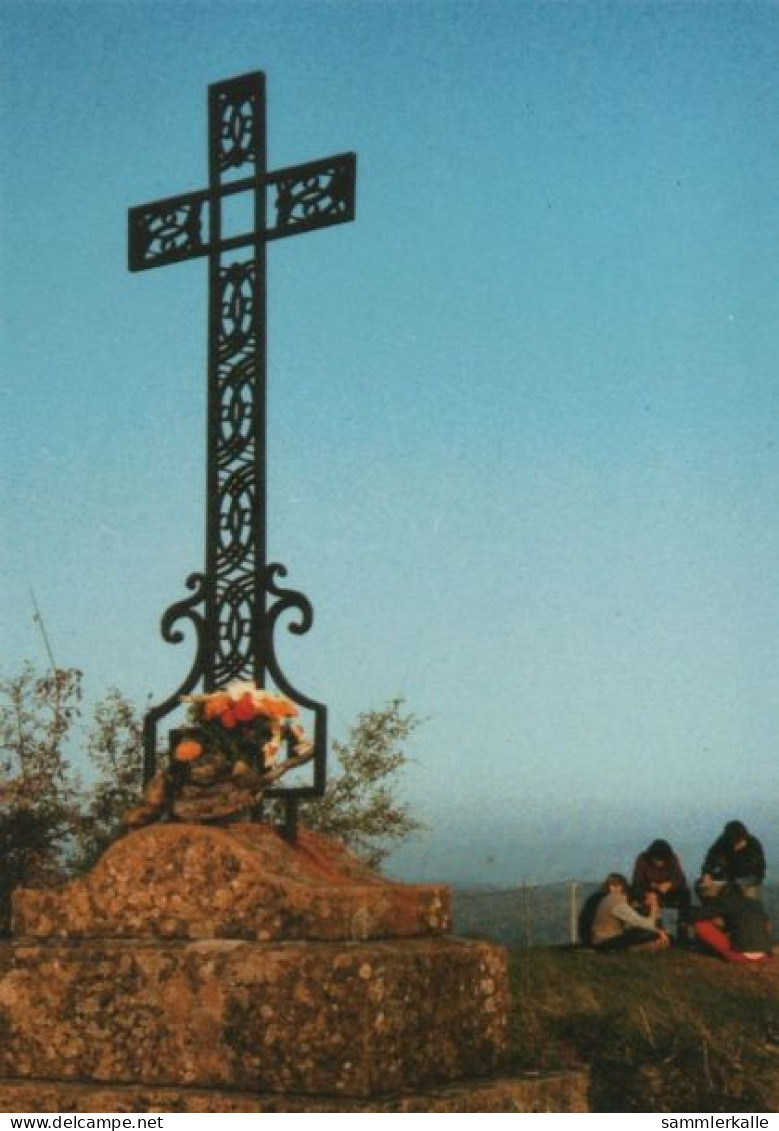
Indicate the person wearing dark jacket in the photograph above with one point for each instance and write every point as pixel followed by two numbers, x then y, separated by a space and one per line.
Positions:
pixel 658 881
pixel 732 924
pixel 736 856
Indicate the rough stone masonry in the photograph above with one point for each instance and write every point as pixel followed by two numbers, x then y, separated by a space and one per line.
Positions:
pixel 199 968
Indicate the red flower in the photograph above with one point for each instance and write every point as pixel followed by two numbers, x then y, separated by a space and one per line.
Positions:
pixel 244 710
pixel 228 720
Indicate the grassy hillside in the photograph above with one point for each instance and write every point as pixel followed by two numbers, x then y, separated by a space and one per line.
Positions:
pixel 668 1031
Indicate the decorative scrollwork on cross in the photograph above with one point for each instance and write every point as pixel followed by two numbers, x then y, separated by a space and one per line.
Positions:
pixel 238 306
pixel 236 407
pixel 239 125
pixel 235 475
pixel 168 231
pixel 186 609
pixel 235 628
pixel 317 195
pixel 312 196
pixel 291 601
pixel 235 637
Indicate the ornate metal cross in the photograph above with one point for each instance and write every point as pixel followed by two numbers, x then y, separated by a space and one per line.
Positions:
pixel 233 621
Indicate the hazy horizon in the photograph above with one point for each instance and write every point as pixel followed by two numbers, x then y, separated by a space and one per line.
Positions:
pixel 537 848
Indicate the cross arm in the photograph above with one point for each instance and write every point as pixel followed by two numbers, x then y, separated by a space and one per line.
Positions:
pixel 315 195
pixel 167 231
pixel 300 198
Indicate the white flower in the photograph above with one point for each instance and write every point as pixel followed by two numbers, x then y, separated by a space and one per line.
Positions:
pixel 240 687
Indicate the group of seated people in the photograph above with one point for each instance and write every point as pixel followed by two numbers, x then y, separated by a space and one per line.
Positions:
pixel 729 918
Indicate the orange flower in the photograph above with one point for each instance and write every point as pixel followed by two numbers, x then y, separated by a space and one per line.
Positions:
pixel 278 707
pixel 188 751
pixel 216 705
pixel 228 720
pixel 244 710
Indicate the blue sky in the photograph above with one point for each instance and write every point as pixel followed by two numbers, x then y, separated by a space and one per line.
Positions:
pixel 523 450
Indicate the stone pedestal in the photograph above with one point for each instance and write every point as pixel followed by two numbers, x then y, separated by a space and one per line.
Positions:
pixel 222 969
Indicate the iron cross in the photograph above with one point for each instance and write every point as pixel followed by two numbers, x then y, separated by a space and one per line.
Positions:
pixel 228 607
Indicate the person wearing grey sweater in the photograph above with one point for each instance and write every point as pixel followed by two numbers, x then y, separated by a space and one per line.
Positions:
pixel 617 925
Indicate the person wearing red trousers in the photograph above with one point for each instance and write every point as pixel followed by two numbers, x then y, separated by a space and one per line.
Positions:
pixel 734 926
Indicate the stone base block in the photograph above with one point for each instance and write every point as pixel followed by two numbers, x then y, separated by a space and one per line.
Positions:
pixel 360 1019
pixel 543 1092
pixel 240 882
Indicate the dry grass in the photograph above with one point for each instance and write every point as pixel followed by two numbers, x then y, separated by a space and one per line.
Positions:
pixel 668 1031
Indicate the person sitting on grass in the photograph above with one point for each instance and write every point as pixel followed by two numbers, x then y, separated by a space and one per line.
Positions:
pixel 618 926
pixel 658 881
pixel 735 856
pixel 732 924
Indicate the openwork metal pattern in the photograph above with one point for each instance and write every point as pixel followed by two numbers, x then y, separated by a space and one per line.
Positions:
pixel 229 610
pixel 168 231
pixel 239 109
pixel 236 479
pixel 312 196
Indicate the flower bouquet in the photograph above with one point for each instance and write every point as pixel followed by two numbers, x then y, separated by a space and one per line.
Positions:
pixel 226 757
pixel 244 725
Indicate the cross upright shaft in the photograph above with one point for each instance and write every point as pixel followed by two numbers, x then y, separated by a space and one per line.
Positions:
pixel 228 608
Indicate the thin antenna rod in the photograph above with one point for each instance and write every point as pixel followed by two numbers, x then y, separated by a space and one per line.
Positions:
pixel 38 619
